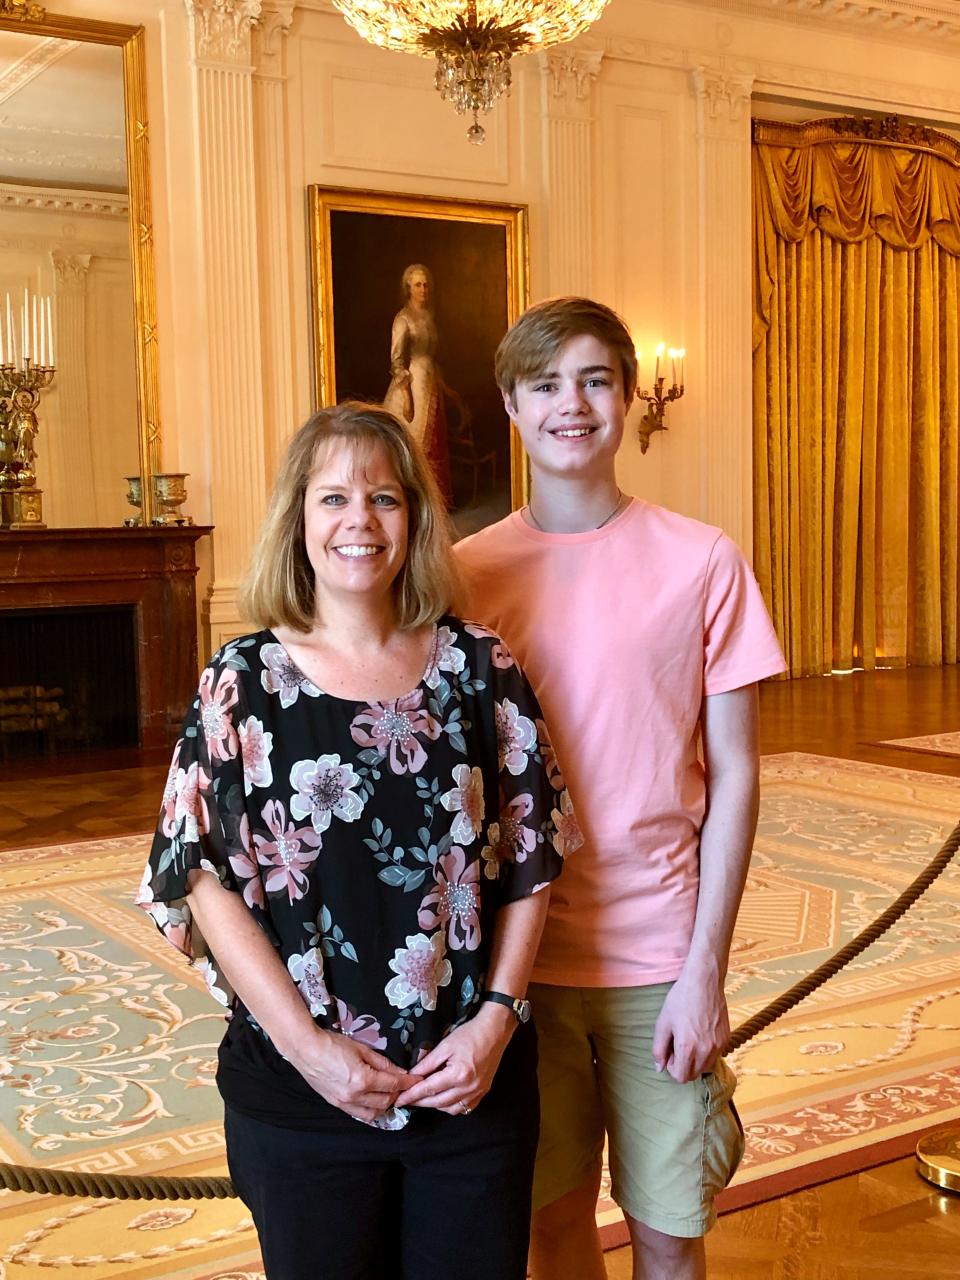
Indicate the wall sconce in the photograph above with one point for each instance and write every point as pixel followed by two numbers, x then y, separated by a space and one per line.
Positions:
pixel 658 399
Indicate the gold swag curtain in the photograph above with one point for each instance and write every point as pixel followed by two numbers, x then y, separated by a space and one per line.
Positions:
pixel 856 393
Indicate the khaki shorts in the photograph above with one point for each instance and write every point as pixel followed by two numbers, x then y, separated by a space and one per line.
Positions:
pixel 672 1146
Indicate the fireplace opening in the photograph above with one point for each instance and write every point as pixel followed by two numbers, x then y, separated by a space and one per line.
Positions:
pixel 68 681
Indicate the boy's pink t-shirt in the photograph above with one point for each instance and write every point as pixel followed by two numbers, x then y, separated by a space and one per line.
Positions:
pixel 622 631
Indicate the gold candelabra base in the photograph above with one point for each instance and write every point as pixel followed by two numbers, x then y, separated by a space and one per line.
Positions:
pixel 21 508
pixel 21 501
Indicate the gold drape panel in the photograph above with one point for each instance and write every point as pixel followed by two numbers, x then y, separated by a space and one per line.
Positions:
pixel 856 394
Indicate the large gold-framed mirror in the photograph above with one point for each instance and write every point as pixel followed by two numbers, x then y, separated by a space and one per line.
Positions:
pixel 76 227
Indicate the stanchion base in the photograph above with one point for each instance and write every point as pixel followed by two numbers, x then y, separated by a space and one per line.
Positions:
pixel 938 1157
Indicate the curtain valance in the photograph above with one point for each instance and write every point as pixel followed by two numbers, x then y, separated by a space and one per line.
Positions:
pixel 809 177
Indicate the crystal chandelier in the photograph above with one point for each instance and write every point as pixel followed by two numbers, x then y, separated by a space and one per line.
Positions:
pixel 472 40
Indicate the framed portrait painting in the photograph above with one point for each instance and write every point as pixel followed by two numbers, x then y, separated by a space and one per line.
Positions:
pixel 411 296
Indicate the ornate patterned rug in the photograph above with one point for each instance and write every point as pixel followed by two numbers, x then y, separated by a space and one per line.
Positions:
pixel 107 1043
pixel 938 744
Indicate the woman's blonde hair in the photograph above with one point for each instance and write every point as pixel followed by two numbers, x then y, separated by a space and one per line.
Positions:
pixel 534 340
pixel 280 586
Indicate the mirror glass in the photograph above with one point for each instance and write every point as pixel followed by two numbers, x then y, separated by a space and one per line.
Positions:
pixel 64 235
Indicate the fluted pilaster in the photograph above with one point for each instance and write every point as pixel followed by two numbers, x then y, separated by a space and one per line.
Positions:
pixel 568 81
pixel 276 268
pixel 71 497
pixel 723 150
pixel 224 93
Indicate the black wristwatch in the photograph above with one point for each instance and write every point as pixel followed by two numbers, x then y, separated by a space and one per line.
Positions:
pixel 519 1008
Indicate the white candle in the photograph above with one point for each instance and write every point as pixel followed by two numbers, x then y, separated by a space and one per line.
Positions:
pixel 10 334
pixel 660 349
pixel 34 347
pixel 43 336
pixel 681 353
pixel 50 331
pixel 24 333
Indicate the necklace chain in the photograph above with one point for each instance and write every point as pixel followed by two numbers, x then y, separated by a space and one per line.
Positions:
pixel 605 520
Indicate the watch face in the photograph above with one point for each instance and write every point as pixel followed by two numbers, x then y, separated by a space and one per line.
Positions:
pixel 523 1010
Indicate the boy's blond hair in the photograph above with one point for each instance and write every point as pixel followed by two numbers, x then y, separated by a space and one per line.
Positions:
pixel 533 341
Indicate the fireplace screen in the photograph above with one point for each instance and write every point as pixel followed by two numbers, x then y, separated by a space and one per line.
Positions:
pixel 68 681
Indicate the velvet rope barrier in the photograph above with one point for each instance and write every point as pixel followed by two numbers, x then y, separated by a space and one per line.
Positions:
pixel 71 1182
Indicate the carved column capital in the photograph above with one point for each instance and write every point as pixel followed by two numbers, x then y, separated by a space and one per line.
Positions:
pixel 221 28
pixel 276 19
pixel 570 77
pixel 71 268
pixel 724 99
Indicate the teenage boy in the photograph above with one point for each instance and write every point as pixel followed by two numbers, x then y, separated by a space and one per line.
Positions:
pixel 644 634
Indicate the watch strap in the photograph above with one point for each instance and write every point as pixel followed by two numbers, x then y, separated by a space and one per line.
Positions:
pixel 516 1004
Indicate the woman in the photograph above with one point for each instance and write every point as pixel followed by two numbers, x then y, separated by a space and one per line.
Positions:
pixel 360 819
pixel 417 390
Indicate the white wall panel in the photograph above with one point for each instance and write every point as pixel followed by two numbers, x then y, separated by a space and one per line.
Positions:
pixel 397 124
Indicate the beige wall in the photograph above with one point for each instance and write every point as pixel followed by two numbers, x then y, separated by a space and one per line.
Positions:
pixel 631 149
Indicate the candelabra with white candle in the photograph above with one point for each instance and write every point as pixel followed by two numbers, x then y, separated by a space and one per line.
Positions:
pixel 658 399
pixel 27 366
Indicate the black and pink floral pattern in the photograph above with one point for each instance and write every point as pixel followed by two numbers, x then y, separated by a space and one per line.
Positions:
pixel 373 841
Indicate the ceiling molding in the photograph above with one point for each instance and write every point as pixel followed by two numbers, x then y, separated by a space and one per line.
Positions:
pixel 64 200
pixel 928 22
pixel 33 64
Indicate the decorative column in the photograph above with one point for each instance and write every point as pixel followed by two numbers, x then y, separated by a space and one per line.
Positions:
pixel 66 448
pixel 569 77
pixel 224 102
pixel 726 446
pixel 276 269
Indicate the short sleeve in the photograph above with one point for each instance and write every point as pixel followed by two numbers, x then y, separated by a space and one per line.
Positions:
pixel 535 827
pixel 740 645
pixel 202 824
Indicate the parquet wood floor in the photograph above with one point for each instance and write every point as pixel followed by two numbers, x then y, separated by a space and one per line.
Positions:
pixel 882 1222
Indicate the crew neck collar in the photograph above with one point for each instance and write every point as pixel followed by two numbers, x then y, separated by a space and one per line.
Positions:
pixel 587 535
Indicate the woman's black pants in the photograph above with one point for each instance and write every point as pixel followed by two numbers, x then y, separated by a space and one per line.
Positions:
pixel 446 1198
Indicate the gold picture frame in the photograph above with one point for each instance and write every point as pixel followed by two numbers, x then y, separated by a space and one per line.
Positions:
pixel 372 340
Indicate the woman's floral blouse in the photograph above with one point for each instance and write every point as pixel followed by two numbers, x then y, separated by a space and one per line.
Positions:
pixel 372 841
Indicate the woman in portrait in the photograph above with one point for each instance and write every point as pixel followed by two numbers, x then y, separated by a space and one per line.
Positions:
pixel 361 822
pixel 417 392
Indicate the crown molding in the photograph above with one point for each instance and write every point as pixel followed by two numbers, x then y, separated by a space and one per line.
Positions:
pixel 64 200
pixel 929 23
pixel 20 73
pixel 777 76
